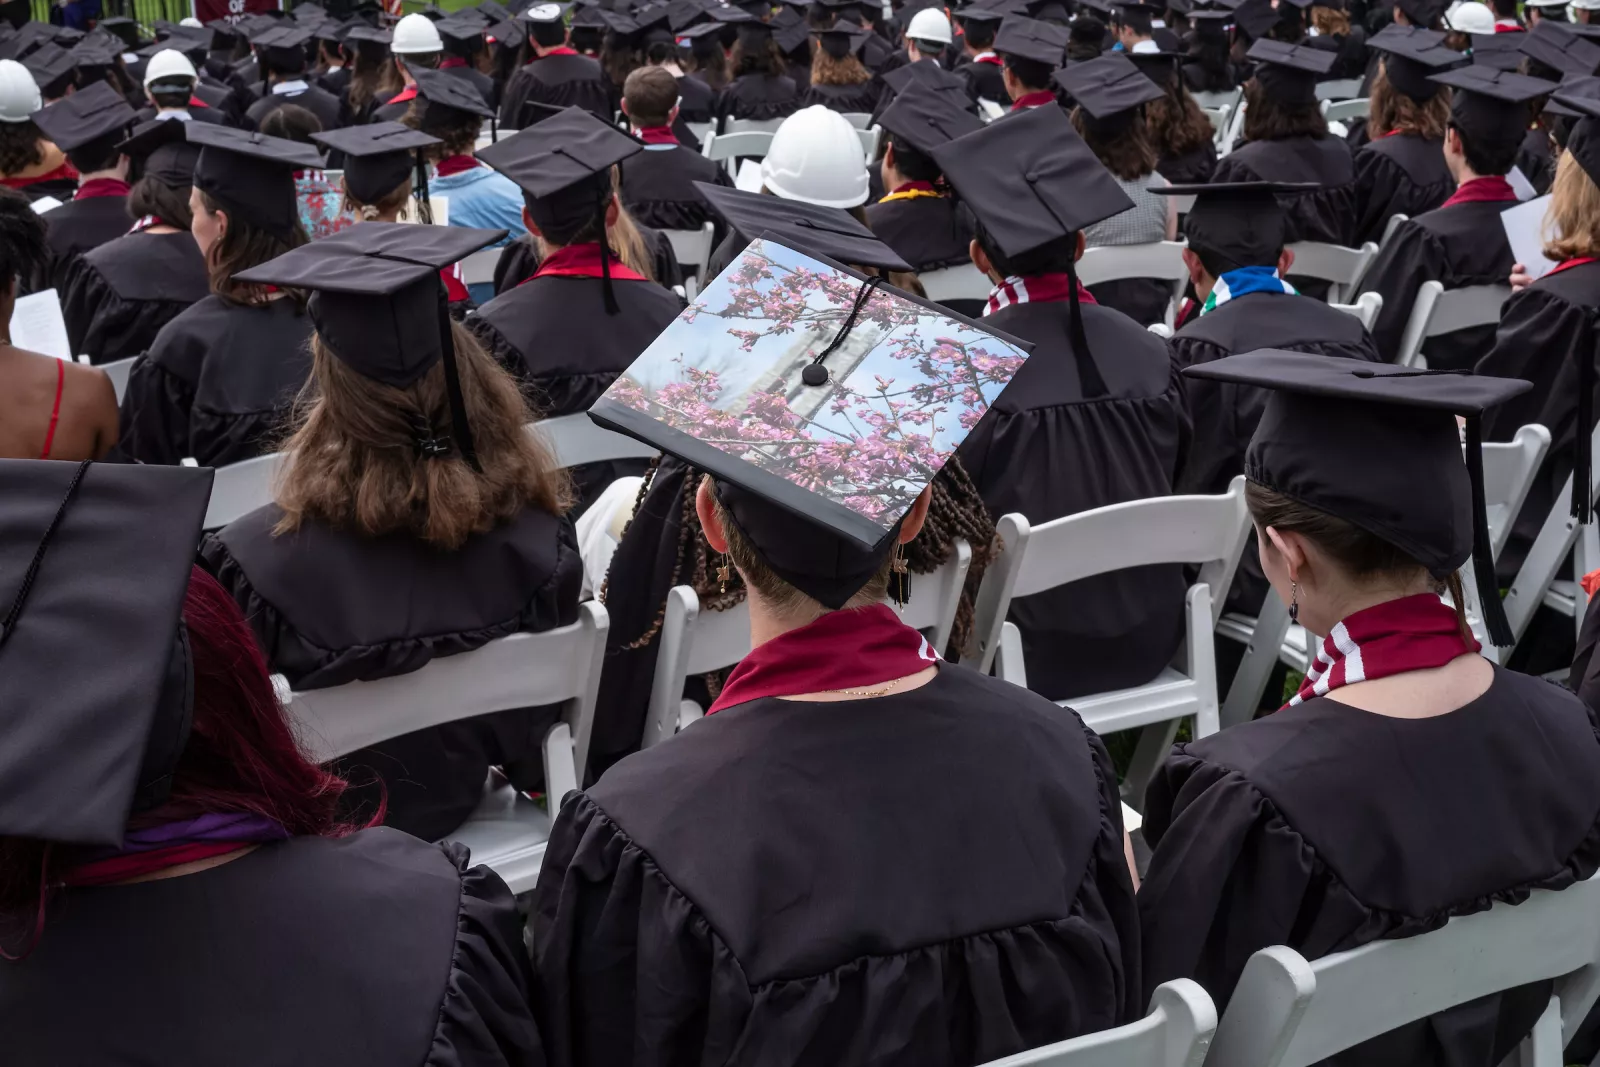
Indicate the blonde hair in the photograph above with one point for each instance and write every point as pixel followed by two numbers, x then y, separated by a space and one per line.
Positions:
pixel 1330 20
pixel 1392 111
pixel 354 464
pixel 1572 223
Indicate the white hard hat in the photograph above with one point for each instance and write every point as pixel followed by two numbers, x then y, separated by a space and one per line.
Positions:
pixel 1585 5
pixel 415 35
pixel 929 24
pixel 19 93
pixel 169 63
pixel 816 156
pixel 191 22
pixel 1469 16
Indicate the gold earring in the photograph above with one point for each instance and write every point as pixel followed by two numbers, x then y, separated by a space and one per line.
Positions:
pixel 722 574
pixel 899 578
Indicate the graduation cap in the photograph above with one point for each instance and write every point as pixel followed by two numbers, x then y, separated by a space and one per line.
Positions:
pixel 97 113
pixel 930 75
pixel 1583 143
pixel 1556 45
pixel 788 394
pixel 1491 106
pixel 1496 50
pixel 544 13
pixel 1108 89
pixel 161 149
pixel 461 36
pixel 380 307
pixel 508 33
pixel 126 30
pixel 1288 72
pixel 494 10
pixel 53 70
pixel 95 560
pixel 841 39
pixel 697 34
pixel 285 50
pixel 443 93
pixel 1256 18
pixel 16 12
pixel 1584 85
pixel 251 174
pixel 1028 38
pixel 823 231
pixel 1410 56
pixel 924 119
pixel 990 13
pixel 378 157
pixel 797 35
pixel 369 39
pixel 564 169
pixel 224 34
pixel 1210 21
pixel 1422 13
pixel 186 42
pixel 1160 67
pixel 1031 180
pixel 1356 439
pixel 1243 222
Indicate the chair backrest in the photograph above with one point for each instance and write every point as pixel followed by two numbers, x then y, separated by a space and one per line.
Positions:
pixel 478 268
pixel 1162 260
pixel 1213 100
pixel 1218 117
pixel 934 598
pixel 560 666
pixel 242 487
pixel 692 248
pixel 1390 226
pixel 1335 264
pixel 1207 530
pixel 1176 1033
pixel 871 138
pixel 1440 311
pixel 1161 330
pixel 963 282
pixel 1286 1012
pixel 117 371
pixel 1366 308
pixel 1344 110
pixel 752 125
pixel 1235 129
pixel 576 439
pixel 859 119
pixel 701 130
pixel 1508 470
pixel 721 147
pixel 1558 535
pixel 1339 89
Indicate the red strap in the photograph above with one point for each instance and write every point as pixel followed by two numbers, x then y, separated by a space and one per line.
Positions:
pixel 1509 27
pixel 1492 189
pixel 657 135
pixel 66 170
pixel 558 50
pixel 452 62
pixel 1037 98
pixel 583 261
pixel 408 93
pixel 55 412
pixel 455 165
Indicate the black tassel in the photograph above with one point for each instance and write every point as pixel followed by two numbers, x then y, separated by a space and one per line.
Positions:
pixel 815 373
pixel 1494 610
pixel 1088 374
pixel 605 253
pixel 419 189
pixel 459 427
pixel 1583 444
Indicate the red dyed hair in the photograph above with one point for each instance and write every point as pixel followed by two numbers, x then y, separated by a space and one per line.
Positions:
pixel 241 756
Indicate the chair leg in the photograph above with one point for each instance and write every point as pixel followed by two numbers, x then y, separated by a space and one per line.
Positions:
pixel 1155 741
pixel 1542 1046
pixel 1260 658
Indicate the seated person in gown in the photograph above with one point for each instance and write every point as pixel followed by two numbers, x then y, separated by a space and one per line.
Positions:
pixel 174 891
pixel 219 378
pixel 917 217
pixel 408 524
pixel 1410 779
pixel 657 184
pixel 29 162
pixel 1461 242
pixel 761 89
pixel 569 330
pixel 89 126
pixel 555 75
pixel 1097 413
pixel 1184 139
pixel 118 296
pixel 838 79
pixel 682 909
pixel 1029 51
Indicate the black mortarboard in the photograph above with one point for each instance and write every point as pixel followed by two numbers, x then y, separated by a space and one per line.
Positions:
pixel 1210 19
pixel 188 41
pixel 985 13
pixel 53 70
pixel 924 119
pixel 16 12
pixel 1244 222
pixel 1410 56
pixel 443 93
pixel 700 30
pixel 824 231
pixel 1030 180
pixel 1107 88
pixel 1584 85
pixel 378 157
pixel 285 50
pixel 461 35
pixel 1491 106
pixel 494 10
pixel 754 34
pixel 789 352
pixel 1497 50
pixel 841 39
pixel 369 38
pixel 95 673
pixel 1289 72
pixel 1555 45
pixel 162 150
pixel 251 174
pixel 95 113
pixel 1356 440
pixel 1256 18
pixel 126 29
pixel 1160 67
pixel 223 33
pixel 1028 38
pixel 1422 13
pixel 927 74
pixel 508 33
pixel 1583 143
pixel 797 35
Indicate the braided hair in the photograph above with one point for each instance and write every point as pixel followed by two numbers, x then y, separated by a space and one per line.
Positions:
pixel 22 243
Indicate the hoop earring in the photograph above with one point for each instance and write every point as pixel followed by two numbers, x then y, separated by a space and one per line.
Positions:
pixel 722 575
pixel 1294 601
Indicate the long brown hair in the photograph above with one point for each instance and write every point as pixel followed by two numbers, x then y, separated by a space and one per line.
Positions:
pixel 1125 149
pixel 1392 111
pixel 352 460
pixel 242 246
pixel 1177 125
pixel 826 70
pixel 1330 21
pixel 1269 118
pixel 370 75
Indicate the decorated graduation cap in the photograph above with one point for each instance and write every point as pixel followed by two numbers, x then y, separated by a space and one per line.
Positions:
pixel 1491 106
pixel 95 671
pixel 564 169
pixel 1109 89
pixel 1355 440
pixel 251 174
pixel 378 157
pixel 97 113
pixel 1410 56
pixel 1031 180
pixel 1032 39
pixel 924 119
pixel 161 149
pixel 380 307
pixel 826 231
pixel 773 382
pixel 1244 222
pixel 1289 72
pixel 1555 45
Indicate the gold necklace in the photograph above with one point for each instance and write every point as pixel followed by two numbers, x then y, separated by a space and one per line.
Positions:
pixel 868 692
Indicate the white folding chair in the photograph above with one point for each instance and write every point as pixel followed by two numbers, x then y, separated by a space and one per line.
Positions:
pixel 870 140
pixel 1183 204
pixel 1225 98
pixel 1440 311
pixel 1339 266
pixel 507 831
pixel 1286 1012
pixel 696 643
pixel 1161 330
pixel 478 268
pixel 1366 308
pixel 1176 1033
pixel 752 125
pixel 692 249
pixel 118 371
pixel 859 119
pixel 1162 260
pixel 963 282
pixel 1206 530
pixel 1344 110
pixel 1339 89
pixel 1390 226
pixel 576 439
pixel 701 130
pixel 1536 583
pixel 242 487
pixel 1219 119
pixel 724 148
pixel 1235 129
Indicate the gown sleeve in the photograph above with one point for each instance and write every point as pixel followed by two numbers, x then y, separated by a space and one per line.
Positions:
pixel 494 342
pixel 106 326
pixel 1377 180
pixel 1584 677
pixel 155 414
pixel 1410 257
pixel 1540 338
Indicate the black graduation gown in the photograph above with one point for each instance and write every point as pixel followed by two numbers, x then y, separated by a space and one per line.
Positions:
pixel 1545 330
pixel 217 383
pixel 238 964
pixel 560 81
pixel 1225 415
pixel 1462 244
pixel 687 906
pixel 757 96
pixel 1535 161
pixel 1323 215
pixel 1046 451
pixel 1402 174
pixel 695 100
pixel 553 333
pixel 121 294
pixel 985 80
pixel 331 607
pixel 77 226
pixel 1349 49
pixel 844 99
pixel 478 80
pixel 1324 827
pixel 314 98
pixel 61 188
pixel 519 259
pixel 335 81
pixel 1193 167
pixel 1584 676
pixel 927 232
pixel 658 187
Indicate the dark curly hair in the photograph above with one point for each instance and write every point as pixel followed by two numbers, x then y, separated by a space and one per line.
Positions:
pixel 19 146
pixel 769 60
pixel 22 246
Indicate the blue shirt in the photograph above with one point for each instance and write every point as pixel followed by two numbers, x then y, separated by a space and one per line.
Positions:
pixel 482 198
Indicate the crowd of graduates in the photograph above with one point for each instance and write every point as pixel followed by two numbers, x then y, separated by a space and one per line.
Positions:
pixel 865 853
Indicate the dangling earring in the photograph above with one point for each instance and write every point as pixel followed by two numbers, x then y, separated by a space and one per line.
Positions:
pixel 722 575
pixel 1294 601
pixel 899 577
